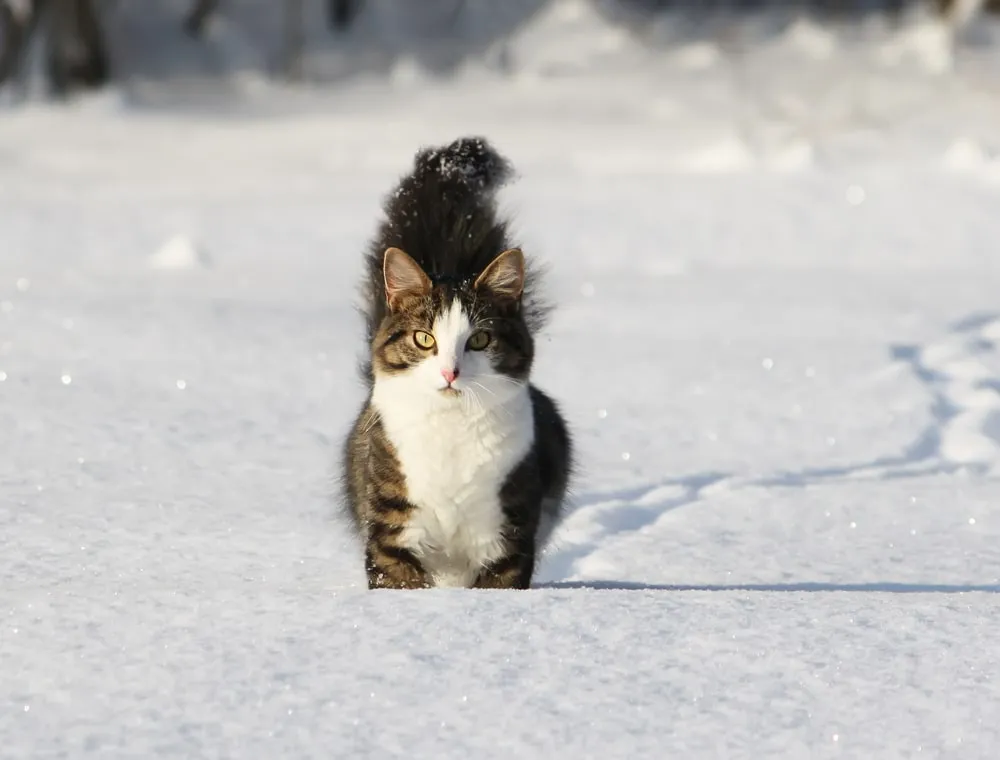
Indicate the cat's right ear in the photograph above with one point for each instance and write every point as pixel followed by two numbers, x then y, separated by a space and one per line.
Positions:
pixel 403 278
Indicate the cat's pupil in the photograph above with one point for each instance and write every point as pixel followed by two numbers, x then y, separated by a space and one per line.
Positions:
pixel 423 339
pixel 478 341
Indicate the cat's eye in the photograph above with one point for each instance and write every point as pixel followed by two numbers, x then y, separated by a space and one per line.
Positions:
pixel 478 340
pixel 423 339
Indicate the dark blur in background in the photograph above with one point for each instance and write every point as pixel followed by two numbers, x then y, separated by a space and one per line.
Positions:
pixel 53 48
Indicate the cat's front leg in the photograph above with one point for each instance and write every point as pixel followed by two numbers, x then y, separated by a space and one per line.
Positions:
pixel 391 566
pixel 513 571
pixel 387 562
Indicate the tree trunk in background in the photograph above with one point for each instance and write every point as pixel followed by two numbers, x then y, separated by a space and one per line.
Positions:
pixel 194 22
pixel 77 56
pixel 294 39
pixel 341 13
pixel 14 32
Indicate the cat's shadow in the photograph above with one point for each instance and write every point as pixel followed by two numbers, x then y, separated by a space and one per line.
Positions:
pixel 630 510
pixel 802 587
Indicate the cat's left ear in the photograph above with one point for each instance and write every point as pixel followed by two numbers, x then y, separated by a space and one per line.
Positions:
pixel 403 278
pixel 504 277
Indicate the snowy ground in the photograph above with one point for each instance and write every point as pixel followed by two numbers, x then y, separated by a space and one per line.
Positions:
pixel 778 343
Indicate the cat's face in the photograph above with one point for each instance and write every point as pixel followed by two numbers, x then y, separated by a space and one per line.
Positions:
pixel 453 343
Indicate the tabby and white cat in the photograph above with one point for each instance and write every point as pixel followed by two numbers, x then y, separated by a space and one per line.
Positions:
pixel 456 467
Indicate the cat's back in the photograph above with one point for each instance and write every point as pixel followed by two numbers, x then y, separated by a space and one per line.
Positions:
pixel 553 444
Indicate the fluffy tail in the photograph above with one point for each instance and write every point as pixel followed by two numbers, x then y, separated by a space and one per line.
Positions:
pixel 469 166
pixel 444 215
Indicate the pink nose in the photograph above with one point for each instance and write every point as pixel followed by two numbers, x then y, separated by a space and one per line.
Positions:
pixel 449 375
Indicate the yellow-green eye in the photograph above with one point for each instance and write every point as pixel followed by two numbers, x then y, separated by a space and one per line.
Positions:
pixel 423 339
pixel 478 340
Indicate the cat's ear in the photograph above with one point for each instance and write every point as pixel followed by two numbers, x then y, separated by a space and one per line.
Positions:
pixel 504 277
pixel 403 277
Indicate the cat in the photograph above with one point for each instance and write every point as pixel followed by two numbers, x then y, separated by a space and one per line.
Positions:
pixel 456 468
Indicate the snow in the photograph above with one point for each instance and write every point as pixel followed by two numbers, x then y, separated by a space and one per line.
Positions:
pixel 179 252
pixel 777 342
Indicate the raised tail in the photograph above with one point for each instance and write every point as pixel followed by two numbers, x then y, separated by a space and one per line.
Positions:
pixel 469 165
pixel 443 214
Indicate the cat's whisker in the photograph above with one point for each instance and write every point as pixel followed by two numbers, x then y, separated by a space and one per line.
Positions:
pixel 480 385
pixel 500 407
pixel 513 381
pixel 474 397
pixel 488 405
pixel 373 418
pixel 466 401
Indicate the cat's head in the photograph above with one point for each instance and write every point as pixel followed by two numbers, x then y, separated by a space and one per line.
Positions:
pixel 447 342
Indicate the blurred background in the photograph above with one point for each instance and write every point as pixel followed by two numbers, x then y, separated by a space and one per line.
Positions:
pixel 64 46
pixel 725 84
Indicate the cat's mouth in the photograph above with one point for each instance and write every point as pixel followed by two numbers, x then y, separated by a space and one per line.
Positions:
pixel 451 390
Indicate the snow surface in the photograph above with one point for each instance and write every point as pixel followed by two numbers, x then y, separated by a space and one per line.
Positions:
pixel 777 342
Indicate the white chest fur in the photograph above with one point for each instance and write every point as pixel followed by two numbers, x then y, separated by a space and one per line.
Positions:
pixel 455 459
